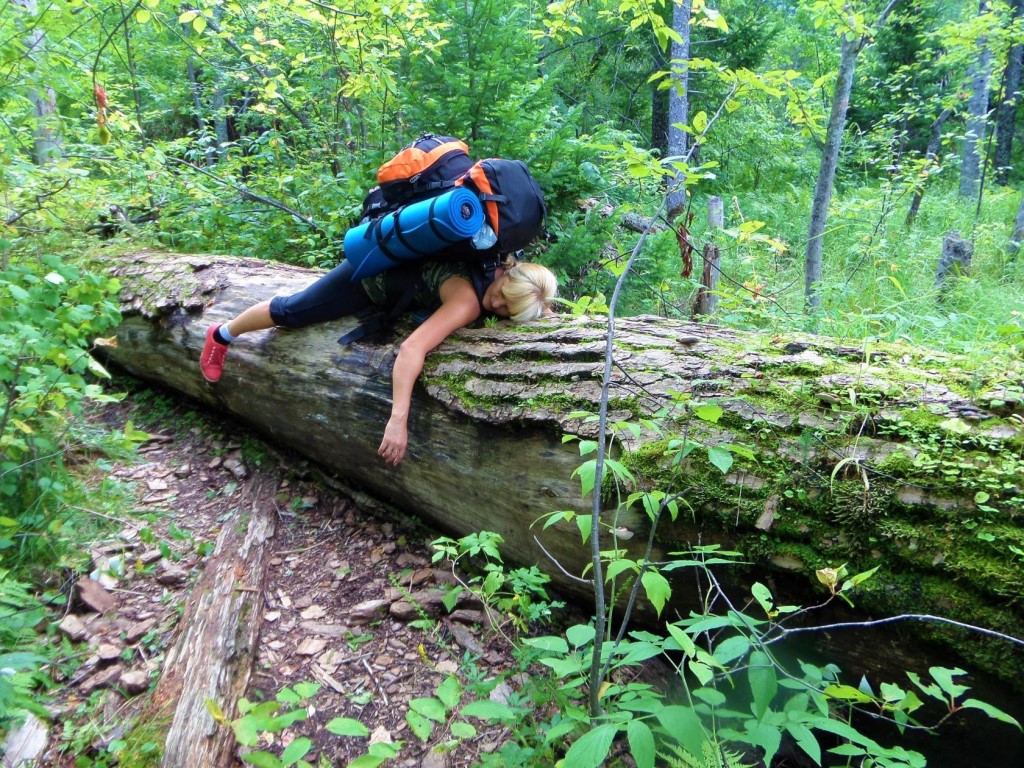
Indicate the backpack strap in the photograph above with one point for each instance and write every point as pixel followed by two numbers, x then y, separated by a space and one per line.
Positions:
pixel 376 320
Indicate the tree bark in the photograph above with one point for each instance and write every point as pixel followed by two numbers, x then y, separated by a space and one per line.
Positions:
pixel 214 655
pixel 1006 112
pixel 850 49
pixel 47 145
pixel 678 102
pixel 977 117
pixel 1018 230
pixel 827 172
pixel 707 296
pixel 932 151
pixel 852 443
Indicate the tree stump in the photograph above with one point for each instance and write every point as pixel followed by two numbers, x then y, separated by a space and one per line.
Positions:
pixel 955 261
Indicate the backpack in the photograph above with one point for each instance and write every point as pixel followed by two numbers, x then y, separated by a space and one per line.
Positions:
pixel 425 168
pixel 431 165
pixel 513 203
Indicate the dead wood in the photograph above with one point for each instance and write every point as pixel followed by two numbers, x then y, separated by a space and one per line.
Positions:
pixel 214 655
pixel 849 439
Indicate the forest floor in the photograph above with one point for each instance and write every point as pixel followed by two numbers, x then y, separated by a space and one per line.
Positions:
pixel 352 602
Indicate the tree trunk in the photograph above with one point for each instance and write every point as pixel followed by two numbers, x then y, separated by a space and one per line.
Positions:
pixel 827 172
pixel 678 102
pixel 1018 230
pixel 865 455
pixel 977 113
pixel 1006 112
pixel 850 49
pixel 47 144
pixel 707 296
pixel 932 151
pixel 659 111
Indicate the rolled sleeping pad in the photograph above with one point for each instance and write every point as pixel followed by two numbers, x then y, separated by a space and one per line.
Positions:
pixel 413 232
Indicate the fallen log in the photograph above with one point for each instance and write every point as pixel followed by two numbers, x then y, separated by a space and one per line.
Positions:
pixel 213 657
pixel 864 454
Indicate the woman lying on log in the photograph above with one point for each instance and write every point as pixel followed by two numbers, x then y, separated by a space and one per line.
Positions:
pixel 449 290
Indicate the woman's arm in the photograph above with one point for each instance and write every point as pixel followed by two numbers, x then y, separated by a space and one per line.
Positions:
pixel 459 308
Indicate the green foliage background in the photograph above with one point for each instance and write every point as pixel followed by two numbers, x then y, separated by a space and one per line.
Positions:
pixel 254 128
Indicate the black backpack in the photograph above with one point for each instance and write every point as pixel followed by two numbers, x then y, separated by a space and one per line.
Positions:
pixel 513 202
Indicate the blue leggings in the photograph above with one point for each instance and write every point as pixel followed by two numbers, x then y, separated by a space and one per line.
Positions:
pixel 333 296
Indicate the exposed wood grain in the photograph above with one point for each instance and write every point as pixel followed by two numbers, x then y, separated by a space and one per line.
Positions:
pixel 214 654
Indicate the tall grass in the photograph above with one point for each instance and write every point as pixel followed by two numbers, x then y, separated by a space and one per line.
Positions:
pixel 878 273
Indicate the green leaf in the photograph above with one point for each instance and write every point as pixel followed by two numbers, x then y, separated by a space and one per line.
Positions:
pixel 709 413
pixel 847 693
pixel 307 690
pixel 450 692
pixel 991 711
pixel 247 730
pixel 262 760
pixel 586 524
pixel 580 634
pixel 419 725
pixel 199 24
pixel 287 696
pixel 763 682
pixel 731 648
pixel 763 595
pixel 766 736
pixel 956 426
pixel 700 122
pixel 616 567
pixel 710 696
pixel 591 749
pixel 296 750
pixel 346 726
pixel 551 643
pixel 944 677
pixel 367 761
pixel 430 708
pixel 462 730
pixel 806 740
pixel 641 743
pixel 684 725
pixel 683 640
pixel 586 472
pixel 657 588
pixel 853 581
pixel 720 457
pixel 485 709
pixel 701 671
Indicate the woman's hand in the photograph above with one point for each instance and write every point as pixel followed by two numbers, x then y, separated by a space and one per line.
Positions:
pixel 459 307
pixel 396 438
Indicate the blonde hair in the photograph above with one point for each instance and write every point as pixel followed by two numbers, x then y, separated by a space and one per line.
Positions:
pixel 529 290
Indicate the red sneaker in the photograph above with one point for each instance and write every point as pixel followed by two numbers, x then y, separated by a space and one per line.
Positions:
pixel 212 359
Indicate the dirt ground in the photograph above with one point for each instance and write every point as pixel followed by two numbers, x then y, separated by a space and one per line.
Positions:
pixel 352 600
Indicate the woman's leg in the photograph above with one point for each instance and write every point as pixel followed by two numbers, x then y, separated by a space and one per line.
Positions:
pixel 255 318
pixel 332 296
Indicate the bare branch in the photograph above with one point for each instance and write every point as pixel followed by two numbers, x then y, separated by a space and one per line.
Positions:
pixel 248 194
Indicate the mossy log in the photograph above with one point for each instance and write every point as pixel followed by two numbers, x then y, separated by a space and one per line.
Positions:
pixel 863 454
